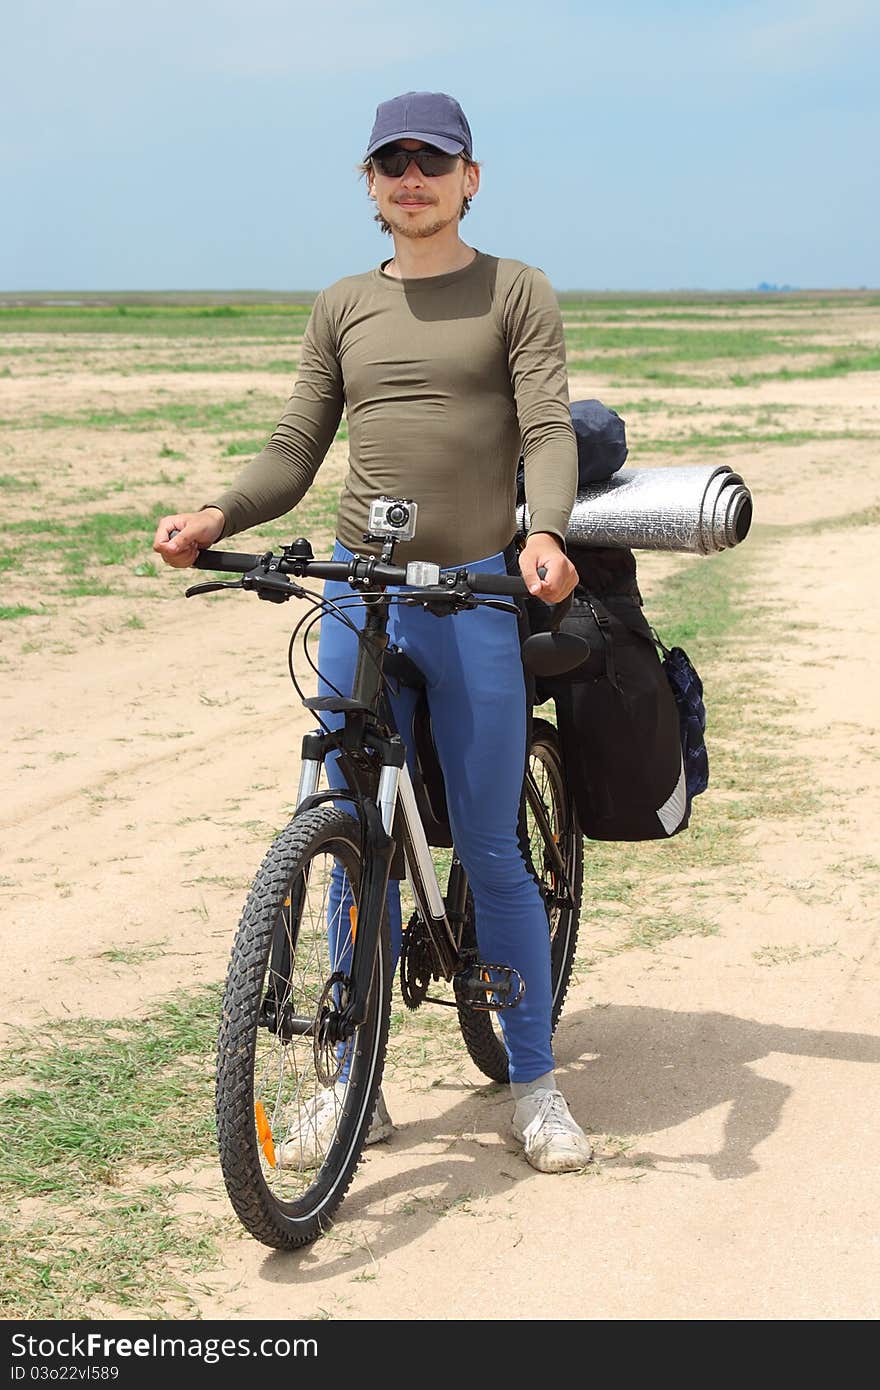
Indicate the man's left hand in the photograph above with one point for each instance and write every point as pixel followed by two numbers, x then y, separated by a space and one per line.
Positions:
pixel 544 549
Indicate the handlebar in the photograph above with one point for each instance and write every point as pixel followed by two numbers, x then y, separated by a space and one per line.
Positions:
pixel 546 653
pixel 362 571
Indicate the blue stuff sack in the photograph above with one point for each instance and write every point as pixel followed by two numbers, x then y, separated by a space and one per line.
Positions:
pixel 687 689
pixel 600 434
pixel 601 441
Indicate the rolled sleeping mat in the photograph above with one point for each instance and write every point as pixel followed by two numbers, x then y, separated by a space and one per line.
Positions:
pixel 699 509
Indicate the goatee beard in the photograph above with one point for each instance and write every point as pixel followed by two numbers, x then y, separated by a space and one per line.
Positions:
pixel 417 231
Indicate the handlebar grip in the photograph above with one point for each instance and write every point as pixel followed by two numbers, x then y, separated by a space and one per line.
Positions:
pixel 230 561
pixel 511 585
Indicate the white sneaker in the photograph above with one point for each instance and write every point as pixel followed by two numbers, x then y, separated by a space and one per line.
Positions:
pixel 311 1131
pixel 554 1141
pixel 380 1125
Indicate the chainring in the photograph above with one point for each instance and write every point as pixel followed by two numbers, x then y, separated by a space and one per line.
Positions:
pixel 416 963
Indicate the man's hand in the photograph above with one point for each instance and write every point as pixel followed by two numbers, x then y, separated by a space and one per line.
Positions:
pixel 542 548
pixel 197 531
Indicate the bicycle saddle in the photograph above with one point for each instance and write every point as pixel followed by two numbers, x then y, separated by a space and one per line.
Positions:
pixel 553 653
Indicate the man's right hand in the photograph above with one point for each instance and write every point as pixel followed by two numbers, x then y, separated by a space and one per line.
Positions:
pixel 197 531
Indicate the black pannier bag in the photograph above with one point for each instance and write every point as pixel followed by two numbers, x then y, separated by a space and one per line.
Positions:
pixel 630 724
pixel 618 723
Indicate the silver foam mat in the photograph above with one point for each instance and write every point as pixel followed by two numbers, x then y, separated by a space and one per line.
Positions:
pixel 699 509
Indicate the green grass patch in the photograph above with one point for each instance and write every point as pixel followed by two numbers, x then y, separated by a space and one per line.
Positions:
pixel 288 365
pixel 633 370
pixel 85 546
pixel 82 1102
pixel 793 954
pixel 236 448
pixel 701 602
pixel 661 355
pixel 274 322
pixel 90 1093
pixel 192 415
pixel 9 612
pixel 764 413
pixel 847 521
pixel 699 301
pixel 725 438
pixel 132 955
pixel 842 364
pixel 131 1251
pixel 9 483
pixel 704 345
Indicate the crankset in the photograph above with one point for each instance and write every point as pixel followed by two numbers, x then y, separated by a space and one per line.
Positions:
pixel 417 968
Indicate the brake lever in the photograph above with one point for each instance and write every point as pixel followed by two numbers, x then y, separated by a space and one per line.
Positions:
pixel 499 604
pixel 273 585
pixel 212 586
pixel 455 601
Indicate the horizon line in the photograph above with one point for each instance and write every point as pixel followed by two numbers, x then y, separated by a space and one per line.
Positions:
pixel 68 297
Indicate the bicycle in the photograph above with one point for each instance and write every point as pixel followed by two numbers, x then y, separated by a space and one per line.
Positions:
pixel 307 1000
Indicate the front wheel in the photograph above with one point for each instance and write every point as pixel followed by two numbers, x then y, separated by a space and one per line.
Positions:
pixel 548 809
pixel 293 1103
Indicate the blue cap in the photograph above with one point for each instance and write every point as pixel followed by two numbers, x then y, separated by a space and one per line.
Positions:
pixel 433 117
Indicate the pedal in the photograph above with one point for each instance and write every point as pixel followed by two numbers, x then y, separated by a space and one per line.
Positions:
pixel 488 987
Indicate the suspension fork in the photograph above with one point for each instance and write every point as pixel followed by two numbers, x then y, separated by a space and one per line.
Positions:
pixel 377 821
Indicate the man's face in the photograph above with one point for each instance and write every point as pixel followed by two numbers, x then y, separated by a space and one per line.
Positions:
pixel 419 205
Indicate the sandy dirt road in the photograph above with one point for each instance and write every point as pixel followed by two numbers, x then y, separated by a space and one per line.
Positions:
pixel 732 1079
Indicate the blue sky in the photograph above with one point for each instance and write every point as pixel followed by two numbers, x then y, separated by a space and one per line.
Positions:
pixel 211 144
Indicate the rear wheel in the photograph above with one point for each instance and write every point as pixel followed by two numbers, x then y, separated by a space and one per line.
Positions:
pixel 293 1104
pixel 548 809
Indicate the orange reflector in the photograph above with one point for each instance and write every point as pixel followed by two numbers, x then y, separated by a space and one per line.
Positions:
pixel 264 1133
pixel 287 902
pixel 353 918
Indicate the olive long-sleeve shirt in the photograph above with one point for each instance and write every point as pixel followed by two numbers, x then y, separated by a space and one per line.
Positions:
pixel 445 380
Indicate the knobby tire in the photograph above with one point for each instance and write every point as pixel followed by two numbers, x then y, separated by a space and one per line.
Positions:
pixel 278 957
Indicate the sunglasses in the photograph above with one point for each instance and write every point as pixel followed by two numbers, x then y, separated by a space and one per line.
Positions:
pixel 392 161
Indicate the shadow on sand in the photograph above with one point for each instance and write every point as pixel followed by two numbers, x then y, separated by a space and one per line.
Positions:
pixel 626 1071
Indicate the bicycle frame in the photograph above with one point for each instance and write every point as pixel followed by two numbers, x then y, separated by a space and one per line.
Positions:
pixel 364 728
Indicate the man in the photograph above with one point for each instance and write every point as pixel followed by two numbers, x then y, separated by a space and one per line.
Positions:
pixel 448 363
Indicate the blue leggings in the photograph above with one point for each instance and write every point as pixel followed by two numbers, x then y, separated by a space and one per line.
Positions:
pixel 476 695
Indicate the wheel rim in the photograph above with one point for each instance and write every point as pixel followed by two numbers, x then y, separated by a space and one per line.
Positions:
pixel 297 1115
pixel 551 794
